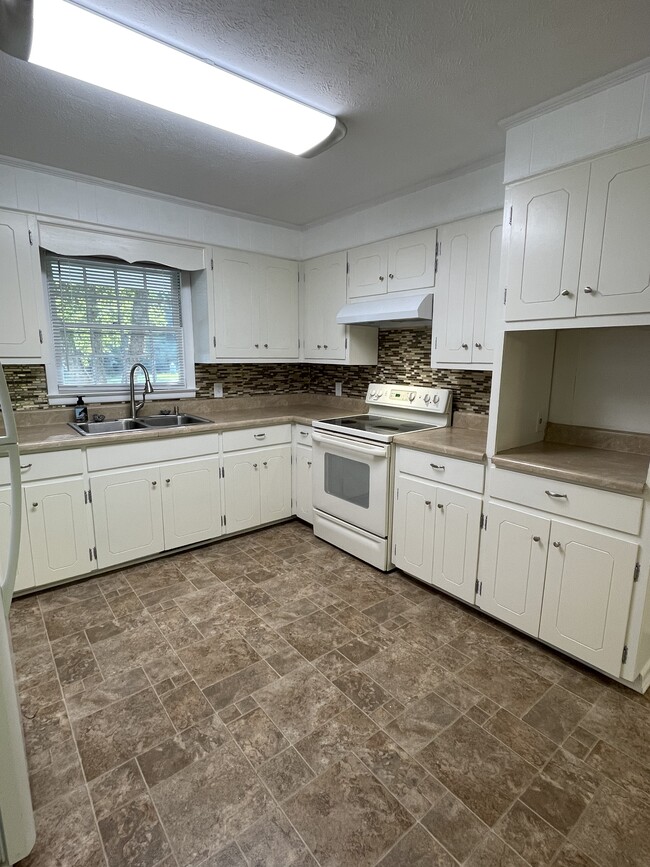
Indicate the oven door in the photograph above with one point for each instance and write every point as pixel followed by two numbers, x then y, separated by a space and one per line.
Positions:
pixel 351 480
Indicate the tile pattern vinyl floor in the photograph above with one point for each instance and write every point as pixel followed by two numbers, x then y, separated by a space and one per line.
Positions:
pixel 269 701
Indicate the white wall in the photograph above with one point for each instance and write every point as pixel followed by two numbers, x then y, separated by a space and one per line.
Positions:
pixel 609 113
pixel 476 192
pixel 52 193
pixel 601 378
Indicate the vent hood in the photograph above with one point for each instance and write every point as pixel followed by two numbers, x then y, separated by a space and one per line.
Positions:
pixel 390 311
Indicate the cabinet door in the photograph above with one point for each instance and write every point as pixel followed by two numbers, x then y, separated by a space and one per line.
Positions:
pixel 324 296
pixel 513 564
pixel 19 283
pixel 587 595
pixel 413 526
pixel 241 490
pixel 616 252
pixel 488 303
pixel 412 261
pixel 275 484
pixel 548 220
pixel 128 515
pixel 454 302
pixel 25 573
pixel 302 476
pixel 191 501
pixel 236 304
pixel 367 268
pixel 58 530
pixel 455 552
pixel 278 332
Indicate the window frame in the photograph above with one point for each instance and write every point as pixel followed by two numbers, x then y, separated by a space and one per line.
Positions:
pixel 56 397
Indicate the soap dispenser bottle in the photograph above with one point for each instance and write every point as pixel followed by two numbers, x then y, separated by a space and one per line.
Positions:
pixel 80 411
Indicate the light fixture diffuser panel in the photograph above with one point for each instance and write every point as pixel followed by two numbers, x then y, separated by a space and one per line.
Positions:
pixel 73 41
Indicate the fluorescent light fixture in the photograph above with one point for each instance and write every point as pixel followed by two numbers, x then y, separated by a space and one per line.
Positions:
pixel 73 41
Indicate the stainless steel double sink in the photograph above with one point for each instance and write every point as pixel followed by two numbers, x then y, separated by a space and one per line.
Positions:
pixel 149 422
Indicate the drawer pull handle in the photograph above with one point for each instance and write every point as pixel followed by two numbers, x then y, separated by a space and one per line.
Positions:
pixel 557 545
pixel 557 496
pixel 304 433
pixel 536 539
pixel 427 503
pixel 259 436
pixel 25 466
pixel 437 466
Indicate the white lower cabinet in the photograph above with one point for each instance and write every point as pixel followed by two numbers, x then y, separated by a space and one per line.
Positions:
pixel 128 514
pixel 25 573
pixel 191 501
pixel 257 487
pixel 302 484
pixel 61 545
pixel 589 577
pixel 436 534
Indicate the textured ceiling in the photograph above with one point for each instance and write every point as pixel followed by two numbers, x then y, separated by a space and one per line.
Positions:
pixel 420 85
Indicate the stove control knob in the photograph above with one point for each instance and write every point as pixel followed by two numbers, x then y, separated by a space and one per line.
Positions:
pixel 427 398
pixel 436 398
pixel 412 396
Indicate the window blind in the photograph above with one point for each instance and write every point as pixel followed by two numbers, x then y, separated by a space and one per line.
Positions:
pixel 106 316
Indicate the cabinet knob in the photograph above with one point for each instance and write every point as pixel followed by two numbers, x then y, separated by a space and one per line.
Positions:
pixel 257 346
pixel 266 346
pixel 478 345
pixel 536 539
pixel 324 345
pixel 265 463
pixel 588 290
pixel 153 484
pixel 254 466
pixel 34 505
pixel 168 481
pixel 391 276
pixel 440 506
pixel 427 503
pixel 557 545
pixel 308 463
pixel 566 293
pixel 318 346
pixel 465 345
pixel 381 278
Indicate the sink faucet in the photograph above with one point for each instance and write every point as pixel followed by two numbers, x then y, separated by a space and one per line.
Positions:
pixel 148 388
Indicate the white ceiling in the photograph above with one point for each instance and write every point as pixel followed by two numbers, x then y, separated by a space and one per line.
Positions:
pixel 420 85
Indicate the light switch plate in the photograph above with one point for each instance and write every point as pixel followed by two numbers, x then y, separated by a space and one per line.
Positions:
pixel 218 389
pixel 338 389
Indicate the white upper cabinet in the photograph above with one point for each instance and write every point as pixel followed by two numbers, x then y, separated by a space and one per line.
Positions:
pixel 545 242
pixel 399 264
pixel 578 243
pixel 20 337
pixel 615 273
pixel 246 308
pixel 324 293
pixel 468 304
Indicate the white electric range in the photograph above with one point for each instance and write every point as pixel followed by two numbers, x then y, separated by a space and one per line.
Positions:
pixel 352 466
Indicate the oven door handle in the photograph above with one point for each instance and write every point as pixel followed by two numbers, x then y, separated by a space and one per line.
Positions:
pixel 349 445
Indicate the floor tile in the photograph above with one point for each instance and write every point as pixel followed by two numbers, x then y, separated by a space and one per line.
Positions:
pixel 75 617
pixel 557 713
pixel 116 789
pixel 455 826
pixel 388 608
pixel 285 773
pixel 362 690
pixel 272 842
pixel 333 740
pixel 208 802
pixel 622 723
pixel 106 692
pixel 74 658
pixel 133 835
pixel 239 685
pixel 212 659
pixel 561 791
pixel 623 770
pixel 493 852
pixel 58 777
pixel 417 849
pixel 315 634
pixel 257 737
pixel 421 721
pixel 121 730
pixel 529 835
pixel 506 682
pixel 175 753
pixel 231 856
pixel 333 664
pixel 403 672
pixel 291 612
pixel 261 637
pixel 301 701
pixel 286 660
pixel 364 647
pixel 530 744
pixel 477 768
pixel 186 705
pixel 346 817
pixel 569 856
pixel 48 729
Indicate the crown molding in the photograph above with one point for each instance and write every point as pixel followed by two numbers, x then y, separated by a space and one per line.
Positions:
pixel 634 70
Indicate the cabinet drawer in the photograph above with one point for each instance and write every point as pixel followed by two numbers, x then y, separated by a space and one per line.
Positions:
pixel 255 437
pixel 302 434
pixel 441 468
pixel 45 465
pixel 604 508
pixel 152 451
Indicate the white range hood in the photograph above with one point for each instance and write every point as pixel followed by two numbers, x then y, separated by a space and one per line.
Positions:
pixel 390 311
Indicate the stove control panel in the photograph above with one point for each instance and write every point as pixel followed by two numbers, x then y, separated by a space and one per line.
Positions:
pixel 413 396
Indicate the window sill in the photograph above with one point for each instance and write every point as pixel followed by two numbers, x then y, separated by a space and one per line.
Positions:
pixel 118 397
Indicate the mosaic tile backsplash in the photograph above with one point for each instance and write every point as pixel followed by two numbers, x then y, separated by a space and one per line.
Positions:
pixel 404 356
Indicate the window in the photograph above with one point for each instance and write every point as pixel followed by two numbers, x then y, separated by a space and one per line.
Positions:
pixel 106 316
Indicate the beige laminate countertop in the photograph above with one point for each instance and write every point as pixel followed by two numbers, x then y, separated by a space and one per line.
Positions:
pixel 58 436
pixel 622 472
pixel 459 442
